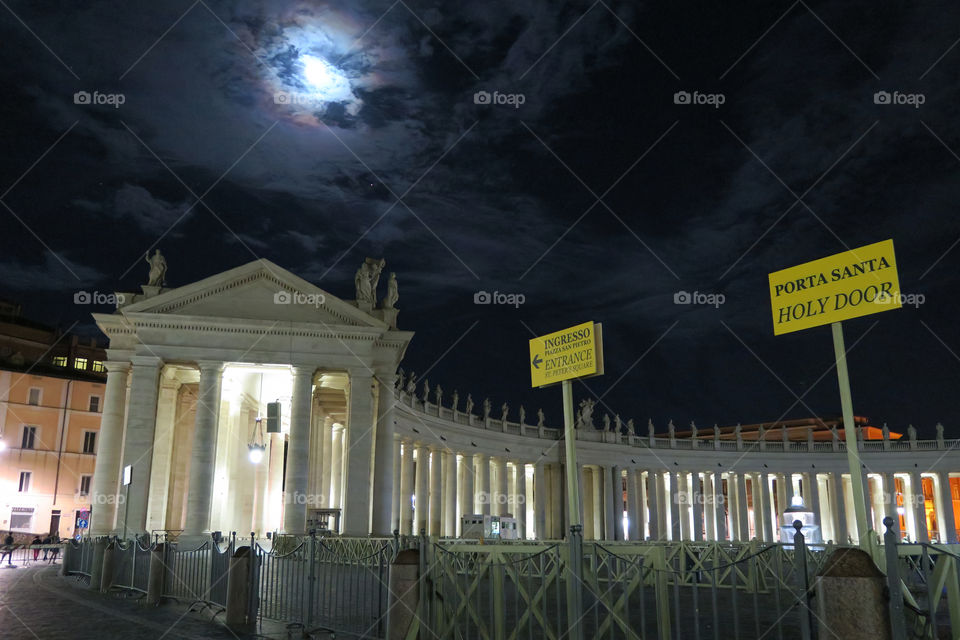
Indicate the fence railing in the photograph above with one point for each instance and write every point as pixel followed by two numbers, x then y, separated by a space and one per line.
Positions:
pixel 131 569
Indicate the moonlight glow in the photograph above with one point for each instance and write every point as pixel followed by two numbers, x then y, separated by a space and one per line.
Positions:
pixel 325 79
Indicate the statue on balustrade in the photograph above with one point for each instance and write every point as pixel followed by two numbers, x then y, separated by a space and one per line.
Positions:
pixel 716 431
pixel 523 415
pixel 375 267
pixel 361 282
pixel 585 419
pixel 455 400
pixel 940 433
pixel 632 428
pixel 426 390
pixel 617 424
pixel 738 435
pixel 671 430
pixel 504 410
pixel 412 383
pixel 401 374
pixel 392 295
pixel 761 434
pixel 486 407
pixel 469 407
pixel 158 269
pixel 606 422
pixel 911 433
pixel 785 436
pixel 693 430
pixel 650 429
pixel 438 394
pixel 540 418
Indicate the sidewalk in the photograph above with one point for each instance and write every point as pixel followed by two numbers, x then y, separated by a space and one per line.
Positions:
pixel 38 604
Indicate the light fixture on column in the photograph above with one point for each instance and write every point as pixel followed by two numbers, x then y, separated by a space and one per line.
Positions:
pixel 256 446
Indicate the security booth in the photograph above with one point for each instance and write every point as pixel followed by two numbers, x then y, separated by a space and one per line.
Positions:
pixel 798 511
pixel 482 527
pixel 323 520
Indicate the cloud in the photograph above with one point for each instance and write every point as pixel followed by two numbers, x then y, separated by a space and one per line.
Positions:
pixel 53 273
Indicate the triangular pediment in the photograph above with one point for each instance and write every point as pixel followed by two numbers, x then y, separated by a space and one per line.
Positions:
pixel 259 290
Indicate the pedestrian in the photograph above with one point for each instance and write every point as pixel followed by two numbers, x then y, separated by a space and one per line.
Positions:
pixel 46 541
pixel 35 543
pixel 7 549
pixel 55 540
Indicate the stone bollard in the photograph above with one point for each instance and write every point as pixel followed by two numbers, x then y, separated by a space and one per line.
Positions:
pixel 238 589
pixel 158 573
pixel 96 562
pixel 67 558
pixel 851 598
pixel 106 573
pixel 404 593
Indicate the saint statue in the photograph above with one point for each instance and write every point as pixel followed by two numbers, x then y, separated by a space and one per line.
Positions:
pixel 693 430
pixel 392 295
pixel 617 424
pixel 469 408
pixel 426 390
pixel 585 420
pixel 671 430
pixel 540 418
pixel 374 268
pixel 454 400
pixel 158 269
pixel 886 431
pixel 939 432
pixel 362 283
pixel 486 407
pixel 504 410
pixel 438 394
pixel 606 422
pixel 716 432
pixel 911 432
pixel 631 427
pixel 412 383
pixel 650 428
pixel 523 415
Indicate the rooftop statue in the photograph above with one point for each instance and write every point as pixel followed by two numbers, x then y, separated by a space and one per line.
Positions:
pixel 158 269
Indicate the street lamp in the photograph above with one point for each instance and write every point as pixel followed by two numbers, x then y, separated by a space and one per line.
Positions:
pixel 255 452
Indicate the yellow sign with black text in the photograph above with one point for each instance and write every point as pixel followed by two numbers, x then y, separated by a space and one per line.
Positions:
pixel 839 287
pixel 576 352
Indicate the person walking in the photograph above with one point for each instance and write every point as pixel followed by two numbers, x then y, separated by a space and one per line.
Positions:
pixel 55 540
pixel 7 549
pixel 35 543
pixel 46 541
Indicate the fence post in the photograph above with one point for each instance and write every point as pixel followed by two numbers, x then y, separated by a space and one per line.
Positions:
pixel 311 576
pixel 423 608
pixel 662 591
pixel 800 557
pixel 898 628
pixel 575 583
pixel 253 603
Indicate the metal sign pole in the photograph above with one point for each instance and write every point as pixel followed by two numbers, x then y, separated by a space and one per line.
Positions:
pixel 570 440
pixel 850 435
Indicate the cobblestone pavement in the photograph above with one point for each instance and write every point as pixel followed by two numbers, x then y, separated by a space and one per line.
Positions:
pixel 38 604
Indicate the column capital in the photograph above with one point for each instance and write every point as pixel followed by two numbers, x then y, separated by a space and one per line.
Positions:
pixel 361 373
pixel 119 366
pixel 299 370
pixel 146 361
pixel 210 366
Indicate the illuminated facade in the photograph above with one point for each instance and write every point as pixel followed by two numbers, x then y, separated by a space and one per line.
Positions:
pixel 192 369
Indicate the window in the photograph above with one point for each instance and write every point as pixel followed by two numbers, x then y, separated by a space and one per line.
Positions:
pixel 89 441
pixel 33 396
pixel 85 485
pixel 97 366
pixel 25 481
pixel 29 437
pixel 80 363
pixel 21 519
pixel 95 404
pixel 60 361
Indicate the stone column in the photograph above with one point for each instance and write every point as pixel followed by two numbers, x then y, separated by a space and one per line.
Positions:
pixel 138 441
pixel 765 504
pixel 397 480
pixel 634 525
pixel 743 520
pixel 326 447
pixel 106 475
pixel 499 499
pixel 686 510
pixel 709 513
pixel 204 454
pixel 839 508
pixel 519 491
pixel 450 495
pixel 358 456
pixel 482 464
pixel 296 482
pixel 917 503
pixel 436 493
pixel 589 532
pixel 655 504
pixel 336 466
pixel 945 515
pixel 697 504
pixel 539 501
pixel 421 504
pixel 609 504
pixel 719 506
pixel 469 505
pixel 406 488
pixel 676 531
pixel 890 498
pixel 598 510
pixel 383 471
pixel 162 450
pixel 812 497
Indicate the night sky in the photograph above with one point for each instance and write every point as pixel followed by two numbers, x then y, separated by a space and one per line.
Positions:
pixel 597 198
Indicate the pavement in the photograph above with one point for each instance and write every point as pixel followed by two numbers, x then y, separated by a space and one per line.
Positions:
pixel 38 604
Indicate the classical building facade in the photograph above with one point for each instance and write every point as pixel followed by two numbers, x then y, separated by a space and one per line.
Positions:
pixel 192 370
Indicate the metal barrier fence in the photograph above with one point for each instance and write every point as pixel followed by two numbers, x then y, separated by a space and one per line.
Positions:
pixel 131 569
pixel 198 575
pixel 338 584
pixel 23 554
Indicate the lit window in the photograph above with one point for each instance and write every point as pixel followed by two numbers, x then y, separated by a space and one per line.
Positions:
pixel 25 481
pixel 90 442
pixel 97 366
pixel 33 396
pixel 60 361
pixel 85 485
pixel 29 436
pixel 95 404
pixel 21 519
pixel 80 363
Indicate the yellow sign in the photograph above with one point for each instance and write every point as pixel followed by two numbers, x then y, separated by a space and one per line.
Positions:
pixel 576 352
pixel 846 285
